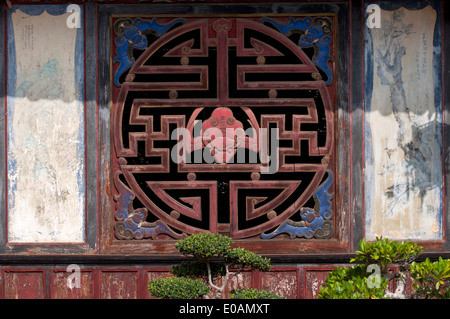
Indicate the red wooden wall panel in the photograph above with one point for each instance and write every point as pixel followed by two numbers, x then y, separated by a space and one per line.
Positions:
pixel 244 279
pixel 131 282
pixel 284 282
pixel 24 284
pixel 119 284
pixel 314 277
pixel 59 288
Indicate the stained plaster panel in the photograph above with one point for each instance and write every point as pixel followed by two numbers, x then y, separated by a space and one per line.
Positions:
pixel 403 154
pixel 45 134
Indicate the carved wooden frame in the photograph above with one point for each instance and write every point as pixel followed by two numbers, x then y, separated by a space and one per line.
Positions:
pixel 338 243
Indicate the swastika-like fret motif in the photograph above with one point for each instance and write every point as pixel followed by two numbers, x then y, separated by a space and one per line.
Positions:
pixel 223 125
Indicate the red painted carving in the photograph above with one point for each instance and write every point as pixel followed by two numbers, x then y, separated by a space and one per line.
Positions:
pixel 212 77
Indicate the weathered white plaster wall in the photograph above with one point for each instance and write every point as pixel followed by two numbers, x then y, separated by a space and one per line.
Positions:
pixel 45 132
pixel 403 185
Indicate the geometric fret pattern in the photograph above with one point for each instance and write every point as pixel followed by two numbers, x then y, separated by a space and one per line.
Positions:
pixel 223 125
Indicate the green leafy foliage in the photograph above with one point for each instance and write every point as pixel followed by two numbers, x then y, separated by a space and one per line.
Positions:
pixel 251 293
pixel 177 288
pixel 204 246
pixel 431 279
pixel 247 259
pixel 384 252
pixel 357 282
pixel 352 283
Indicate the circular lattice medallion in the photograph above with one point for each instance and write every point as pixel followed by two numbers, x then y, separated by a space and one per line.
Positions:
pixel 223 125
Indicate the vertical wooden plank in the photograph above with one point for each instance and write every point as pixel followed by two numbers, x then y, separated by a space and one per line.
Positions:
pixel 59 289
pixel 91 124
pixel 446 115
pixel 409 283
pixel 301 282
pixel 284 282
pixel 2 283
pixel 96 273
pixel 24 284
pixel 343 146
pixel 119 284
pixel 2 129
pixel 103 134
pixel 356 87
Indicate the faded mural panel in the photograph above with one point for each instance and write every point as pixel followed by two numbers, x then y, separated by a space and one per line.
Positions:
pixel 403 124
pixel 45 118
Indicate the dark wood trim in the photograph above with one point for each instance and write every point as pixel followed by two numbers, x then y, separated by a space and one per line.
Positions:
pixel 91 125
pixel 446 112
pixel 356 87
pixel 80 259
pixel 167 261
pixel 3 181
pixel 178 2
pixel 343 144
pixel 105 204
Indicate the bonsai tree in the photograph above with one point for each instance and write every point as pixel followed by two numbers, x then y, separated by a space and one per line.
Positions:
pixel 380 262
pixel 211 268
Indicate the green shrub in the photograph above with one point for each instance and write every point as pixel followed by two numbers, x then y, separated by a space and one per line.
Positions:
pixel 207 247
pixel 204 246
pixel 177 288
pixel 431 280
pixel 251 293
pixel 352 283
pixel 360 282
pixel 385 252
pixel 247 258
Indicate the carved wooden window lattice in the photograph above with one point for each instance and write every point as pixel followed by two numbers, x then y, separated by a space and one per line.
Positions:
pixel 178 83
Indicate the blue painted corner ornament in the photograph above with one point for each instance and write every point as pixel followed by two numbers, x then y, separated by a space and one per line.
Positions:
pixel 315 222
pixel 131 34
pixel 314 33
pixel 131 223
